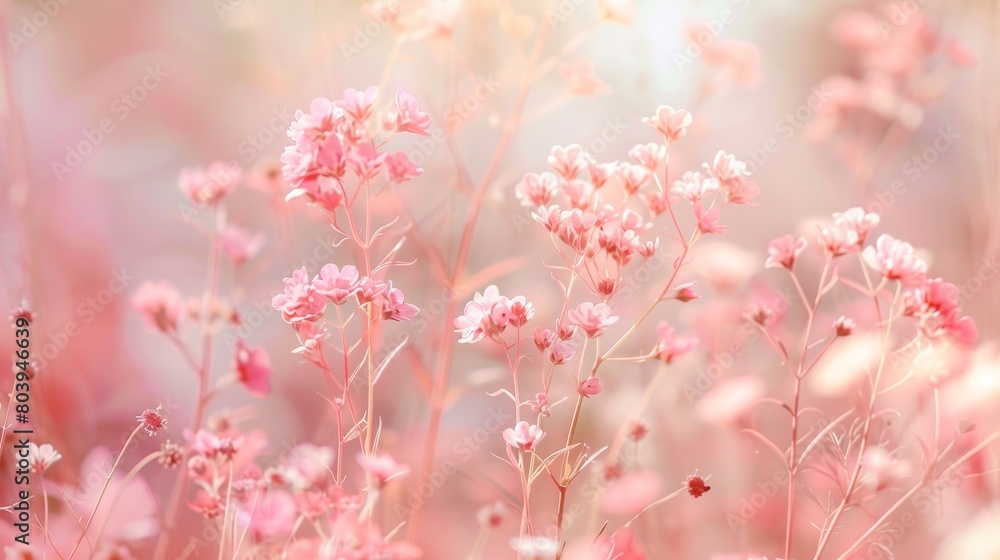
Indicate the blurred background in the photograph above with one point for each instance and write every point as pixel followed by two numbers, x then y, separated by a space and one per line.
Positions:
pixel 103 104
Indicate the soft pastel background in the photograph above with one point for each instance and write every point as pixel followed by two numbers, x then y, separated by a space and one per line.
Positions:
pixel 223 80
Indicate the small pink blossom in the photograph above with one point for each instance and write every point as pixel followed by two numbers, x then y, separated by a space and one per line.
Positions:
pixel 632 177
pixel 590 387
pixel 562 352
pixel 400 168
pixel 783 251
pixel 581 79
pixel 336 284
pixel 649 156
pixel 369 290
pixel 896 260
pixel 671 345
pixel 568 162
pixel 395 308
pixel 408 117
pixel 523 436
pixel 671 123
pixel 692 186
pixel 708 220
pixel 358 104
pixel 594 319
pixel 299 301
pixel 209 186
pixel 536 189
pixel 311 335
pixel 253 368
pixel 839 240
pixel 382 467
pixel 858 220
pixel 41 457
pixel 160 305
pixel 489 313
pixel 239 245
pixel 152 420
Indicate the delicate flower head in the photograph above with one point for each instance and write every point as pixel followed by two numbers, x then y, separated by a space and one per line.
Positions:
pixel 696 485
pixel 858 220
pixel 209 186
pixel 336 284
pixel 160 305
pixel 524 436
pixel 562 351
pixel 692 186
pixel 382 467
pixel 239 245
pixel 401 168
pixel 171 455
pixel 409 117
pixel 896 260
pixel 253 368
pixel 152 420
pixel 299 301
pixel 671 123
pixel 41 457
pixel 783 251
pixel 844 326
pixel 358 104
pixel 536 189
pixel 671 345
pixel 708 220
pixel 395 309
pixel 568 162
pixel 593 318
pixel 649 156
pixel 839 240
pixel 489 313
pixel 491 515
pixel 590 387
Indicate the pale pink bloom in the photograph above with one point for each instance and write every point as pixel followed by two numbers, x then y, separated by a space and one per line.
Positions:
pixel 299 301
pixel 408 117
pixel 548 216
pixel 152 420
pixel 592 318
pixel 846 365
pixel 308 466
pixel 382 467
pixel 724 265
pixel 209 186
pixel 896 260
pixel 742 191
pixel 649 156
pixel 536 189
pixel 672 124
pixel 568 162
pixel 783 251
pixel 400 168
pixel 313 504
pixel 336 284
pixel 271 516
pixel 318 123
pixel 686 293
pixel 562 352
pixel 543 338
pixel 395 309
pixel 358 104
pixel 311 335
pixel 239 245
pixel 489 313
pixel 159 304
pixel 209 504
pixel 314 169
pixel 41 457
pixel 253 368
pixel 725 167
pixel 858 220
pixel 656 202
pixel 590 387
pixel 535 548
pixel 632 177
pixel 708 220
pixel 369 290
pixel 581 79
pixel 839 240
pixel 671 345
pixel 364 161
pixel 730 400
pixel 132 517
pixel 692 186
pixel 600 173
pixel 523 436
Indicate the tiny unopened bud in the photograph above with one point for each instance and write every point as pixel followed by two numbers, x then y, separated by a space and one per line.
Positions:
pixel 686 293
pixel 844 326
pixel 491 515
pixel 758 313
pixel 638 430
pixel 590 387
pixel 606 286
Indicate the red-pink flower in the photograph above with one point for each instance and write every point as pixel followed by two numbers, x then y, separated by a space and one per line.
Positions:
pixel 782 251
pixel 209 186
pixel 299 301
pixel 239 245
pixel 336 284
pixel 395 309
pixel 400 168
pixel 408 116
pixel 594 319
pixel 708 220
pixel 160 305
pixel 671 345
pixel 152 420
pixel 671 123
pixel 253 368
pixel 523 436
pixel 896 260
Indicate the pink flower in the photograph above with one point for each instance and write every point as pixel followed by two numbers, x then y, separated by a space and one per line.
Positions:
pixel 649 156
pixel 299 301
pixel 562 352
pixel 536 189
pixel 590 387
pixel 581 79
pixel 568 162
pixel 858 220
pixel 543 338
pixel 671 345
pixel 672 124
pixel 935 305
pixel 489 313
pixel 725 167
pixel 523 436
pixel 311 336
pixel 358 104
pixel 632 177
pixel 592 318
pixel 152 420
pixel 41 457
pixel 382 467
pixel 271 516
pixel 395 309
pixel 400 168
pixel 209 186
pixel 253 368
pixel 408 117
pixel 368 290
pixel 783 251
pixel 318 123
pixel 313 170
pixel 160 305
pixel 239 245
pixel 839 240
pixel 896 260
pixel 336 284
pixel 708 220
pixel 692 186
